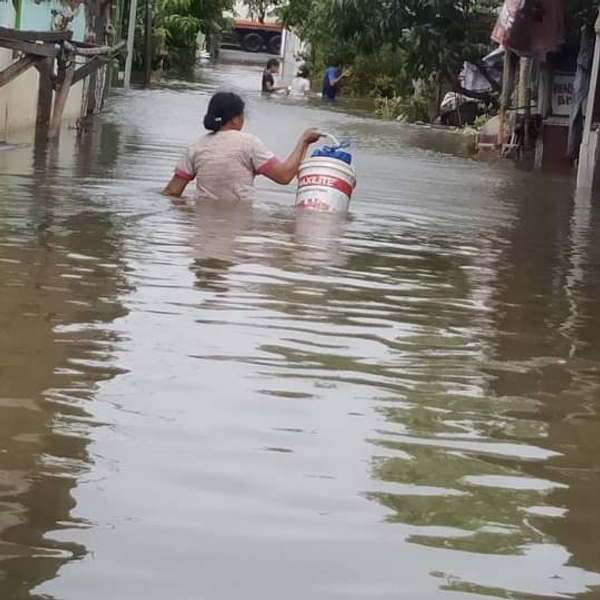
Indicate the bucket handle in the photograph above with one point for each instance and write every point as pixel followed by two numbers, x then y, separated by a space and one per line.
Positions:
pixel 332 138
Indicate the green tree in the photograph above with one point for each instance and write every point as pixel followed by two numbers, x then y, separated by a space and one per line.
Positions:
pixel 435 36
pixel 390 44
pixel 176 24
pixel 295 13
pixel 259 9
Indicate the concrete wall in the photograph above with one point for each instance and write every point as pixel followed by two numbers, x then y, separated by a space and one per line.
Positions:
pixel 18 99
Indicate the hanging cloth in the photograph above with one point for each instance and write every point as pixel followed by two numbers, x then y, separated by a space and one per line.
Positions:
pixel 530 26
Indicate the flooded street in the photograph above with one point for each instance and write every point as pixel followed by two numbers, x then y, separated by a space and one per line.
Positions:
pixel 261 404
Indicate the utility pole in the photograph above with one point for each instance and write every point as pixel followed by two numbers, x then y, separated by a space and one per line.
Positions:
pixel 148 44
pixel 130 40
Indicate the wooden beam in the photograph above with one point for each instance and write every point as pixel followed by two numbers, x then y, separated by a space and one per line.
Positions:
pixel 508 78
pixel 44 50
pixel 33 36
pixel 42 70
pixel 45 94
pixel 93 65
pixel 79 44
pixel 148 45
pixel 130 42
pixel 101 50
pixel 95 51
pixel 525 94
pixel 60 101
pixel 13 71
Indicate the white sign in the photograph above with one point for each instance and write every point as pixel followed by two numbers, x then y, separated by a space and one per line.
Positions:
pixel 562 94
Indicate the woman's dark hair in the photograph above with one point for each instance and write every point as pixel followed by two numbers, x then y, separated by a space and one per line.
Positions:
pixel 303 72
pixel 223 108
pixel 273 62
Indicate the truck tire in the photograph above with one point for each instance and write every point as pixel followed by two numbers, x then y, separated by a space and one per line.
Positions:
pixel 274 44
pixel 253 42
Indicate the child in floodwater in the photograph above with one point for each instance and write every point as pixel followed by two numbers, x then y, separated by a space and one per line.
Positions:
pixel 225 162
pixel 301 83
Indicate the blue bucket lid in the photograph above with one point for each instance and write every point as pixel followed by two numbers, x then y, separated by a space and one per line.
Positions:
pixel 335 152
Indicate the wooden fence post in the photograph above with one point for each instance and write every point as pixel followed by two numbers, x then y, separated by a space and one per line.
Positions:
pixel 60 102
pixel 45 92
pixel 508 78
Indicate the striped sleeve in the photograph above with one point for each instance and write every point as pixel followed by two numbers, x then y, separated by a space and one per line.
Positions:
pixel 185 168
pixel 262 159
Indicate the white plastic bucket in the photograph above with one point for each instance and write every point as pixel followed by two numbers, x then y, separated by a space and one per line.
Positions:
pixel 325 185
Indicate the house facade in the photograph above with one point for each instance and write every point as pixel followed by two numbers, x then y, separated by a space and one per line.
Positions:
pixel 90 21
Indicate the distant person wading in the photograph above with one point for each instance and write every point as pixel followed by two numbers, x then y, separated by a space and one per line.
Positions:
pixel 268 78
pixel 332 80
pixel 226 161
pixel 301 83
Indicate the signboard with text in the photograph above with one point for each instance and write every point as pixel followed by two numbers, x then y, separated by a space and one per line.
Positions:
pixel 562 94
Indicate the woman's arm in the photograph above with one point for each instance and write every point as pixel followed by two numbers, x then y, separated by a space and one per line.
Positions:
pixel 272 88
pixel 185 171
pixel 284 172
pixel 176 187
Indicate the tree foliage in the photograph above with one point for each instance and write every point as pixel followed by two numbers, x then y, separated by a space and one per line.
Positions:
pixel 430 39
pixel 580 13
pixel 433 37
pixel 176 24
pixel 260 9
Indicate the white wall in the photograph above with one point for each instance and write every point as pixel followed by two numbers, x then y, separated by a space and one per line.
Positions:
pixel 292 48
pixel 7 14
pixel 18 100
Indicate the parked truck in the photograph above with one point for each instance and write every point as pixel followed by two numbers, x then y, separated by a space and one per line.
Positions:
pixel 258 37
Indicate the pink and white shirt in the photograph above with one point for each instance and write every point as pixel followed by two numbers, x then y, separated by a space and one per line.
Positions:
pixel 224 165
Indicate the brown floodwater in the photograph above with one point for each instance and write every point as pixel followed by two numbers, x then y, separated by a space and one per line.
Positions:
pixel 257 403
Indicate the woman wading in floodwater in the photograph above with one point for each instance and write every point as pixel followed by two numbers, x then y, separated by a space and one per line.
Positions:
pixel 225 162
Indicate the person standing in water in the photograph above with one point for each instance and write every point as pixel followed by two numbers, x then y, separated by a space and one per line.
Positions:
pixel 268 78
pixel 331 80
pixel 226 161
pixel 301 83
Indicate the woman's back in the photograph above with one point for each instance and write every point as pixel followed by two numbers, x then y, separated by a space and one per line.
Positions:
pixel 300 86
pixel 225 164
